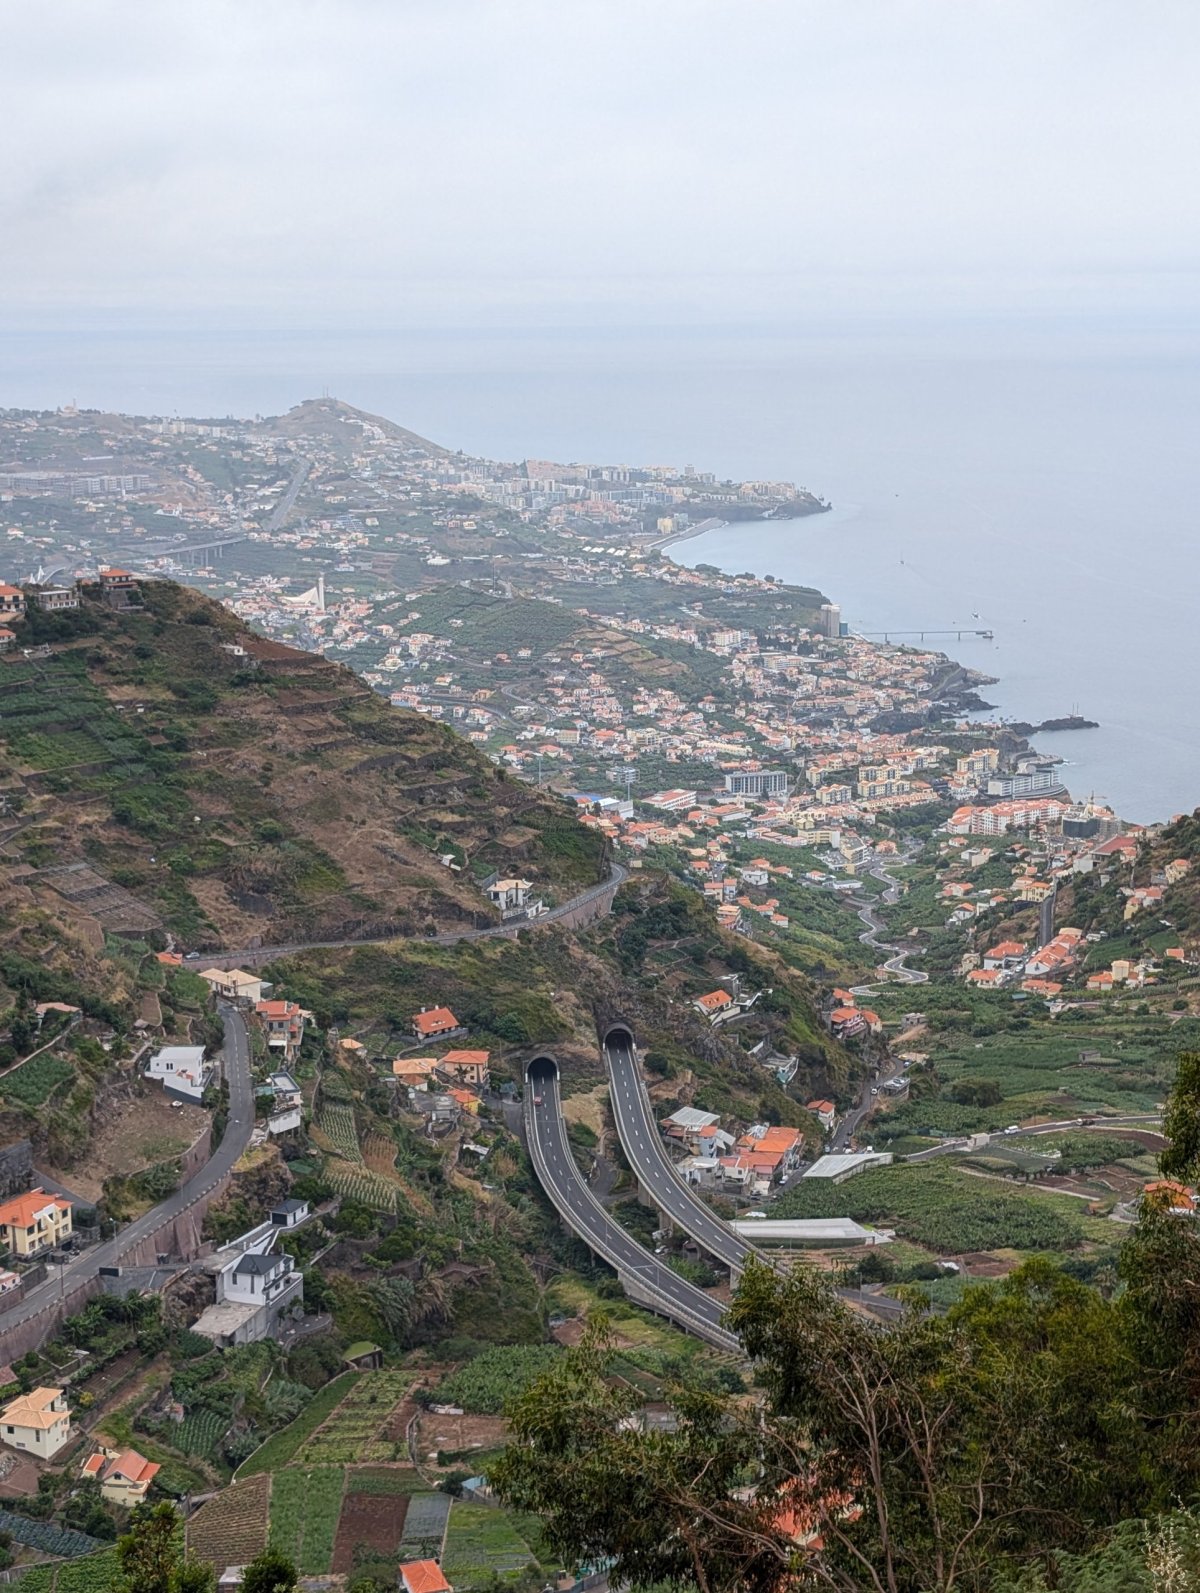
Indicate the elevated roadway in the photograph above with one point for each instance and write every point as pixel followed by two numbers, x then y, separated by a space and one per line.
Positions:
pixel 644 1277
pixel 645 1153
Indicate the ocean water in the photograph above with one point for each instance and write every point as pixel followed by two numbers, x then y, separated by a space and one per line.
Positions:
pixel 1040 482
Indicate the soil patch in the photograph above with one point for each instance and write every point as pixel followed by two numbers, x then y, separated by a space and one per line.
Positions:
pixel 130 1135
pixel 376 1520
pixel 450 1434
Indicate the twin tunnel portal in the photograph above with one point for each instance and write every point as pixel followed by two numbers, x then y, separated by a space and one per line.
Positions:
pixel 646 1277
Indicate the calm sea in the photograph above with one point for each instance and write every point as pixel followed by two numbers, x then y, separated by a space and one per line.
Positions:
pixel 1041 484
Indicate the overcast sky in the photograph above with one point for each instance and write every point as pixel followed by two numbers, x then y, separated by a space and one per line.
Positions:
pixel 588 162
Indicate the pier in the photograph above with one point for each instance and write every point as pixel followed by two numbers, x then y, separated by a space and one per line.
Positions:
pixel 957 632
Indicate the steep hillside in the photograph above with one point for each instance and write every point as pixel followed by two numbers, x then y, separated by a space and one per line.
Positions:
pixel 164 771
pixel 644 964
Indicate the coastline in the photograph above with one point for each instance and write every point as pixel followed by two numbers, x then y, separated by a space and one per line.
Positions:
pixel 1063 725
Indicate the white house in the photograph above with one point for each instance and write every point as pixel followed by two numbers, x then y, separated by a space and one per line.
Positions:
pixel 234 984
pixel 286 1109
pixel 38 1422
pixel 254 1289
pixel 290 1213
pixel 181 1070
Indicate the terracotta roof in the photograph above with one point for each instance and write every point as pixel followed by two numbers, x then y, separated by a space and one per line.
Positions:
pixel 434 1020
pixel 423 1576
pixel 134 1467
pixel 20 1213
pixel 33 1409
pixel 467 1058
pixel 714 1000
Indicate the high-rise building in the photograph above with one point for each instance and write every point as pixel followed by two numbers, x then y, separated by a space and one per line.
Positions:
pixel 831 620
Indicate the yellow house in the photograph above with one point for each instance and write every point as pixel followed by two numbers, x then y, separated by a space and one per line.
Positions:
pixel 124 1475
pixel 34 1222
pixel 38 1422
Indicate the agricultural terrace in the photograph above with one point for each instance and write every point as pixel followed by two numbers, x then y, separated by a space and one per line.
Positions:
pixel 93 1573
pixel 484 1385
pixel 948 1211
pixel 305 1506
pixel 361 1427
pixel 374 1506
pixel 231 1528
pixel 483 1543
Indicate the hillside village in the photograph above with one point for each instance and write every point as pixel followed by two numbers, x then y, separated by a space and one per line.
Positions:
pixel 906 1010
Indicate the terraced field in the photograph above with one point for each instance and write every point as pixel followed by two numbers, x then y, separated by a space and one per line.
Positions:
pixel 306 1503
pixel 231 1528
pixel 356 1430
pixel 482 1542
pixel 373 1512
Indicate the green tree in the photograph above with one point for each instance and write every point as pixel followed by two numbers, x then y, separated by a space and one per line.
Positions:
pixel 151 1554
pixel 1181 1122
pixel 925 1457
pixel 270 1572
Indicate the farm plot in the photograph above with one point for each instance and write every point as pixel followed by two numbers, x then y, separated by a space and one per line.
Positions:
pixel 281 1447
pixel 305 1506
pixel 425 1526
pixel 91 1573
pixel 200 1432
pixel 372 1520
pixel 232 1528
pixel 33 1083
pixel 482 1542
pixel 49 1539
pixel 353 1181
pixel 337 1124
pixel 354 1431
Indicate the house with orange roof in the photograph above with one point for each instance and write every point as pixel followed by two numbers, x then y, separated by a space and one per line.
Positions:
pixel 465 1099
pixel 847 1022
pixel 415 1072
pixel 1042 987
pixel 1102 981
pixel 432 1021
pixel 987 978
pixel 282 1023
pixel 38 1422
pixel 34 1222
pixel 124 1475
pixel 470 1067
pixel 713 1005
pixel 1167 1195
pixel 824 1111
pixel 423 1576
pixel 12 602
pixel 1004 954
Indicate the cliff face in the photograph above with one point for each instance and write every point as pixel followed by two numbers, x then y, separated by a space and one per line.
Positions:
pixel 167 772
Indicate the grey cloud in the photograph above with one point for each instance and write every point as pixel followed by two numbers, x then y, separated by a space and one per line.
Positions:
pixel 518 159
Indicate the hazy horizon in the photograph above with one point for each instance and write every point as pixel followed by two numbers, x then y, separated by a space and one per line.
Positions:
pixel 684 163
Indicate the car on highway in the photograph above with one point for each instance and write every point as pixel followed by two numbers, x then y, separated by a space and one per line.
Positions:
pixel 537 1100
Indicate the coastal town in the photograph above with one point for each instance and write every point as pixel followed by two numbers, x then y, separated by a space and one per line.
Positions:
pixel 910 1005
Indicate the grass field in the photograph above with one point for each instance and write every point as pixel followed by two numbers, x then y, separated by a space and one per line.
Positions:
pixel 483 1542
pixel 305 1506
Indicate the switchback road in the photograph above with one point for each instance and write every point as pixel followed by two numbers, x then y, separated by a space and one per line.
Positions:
pixel 645 1277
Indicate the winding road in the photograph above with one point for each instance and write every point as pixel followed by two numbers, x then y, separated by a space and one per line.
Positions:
pixel 48 1296
pixel 895 964
pixel 645 1278
pixel 251 955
